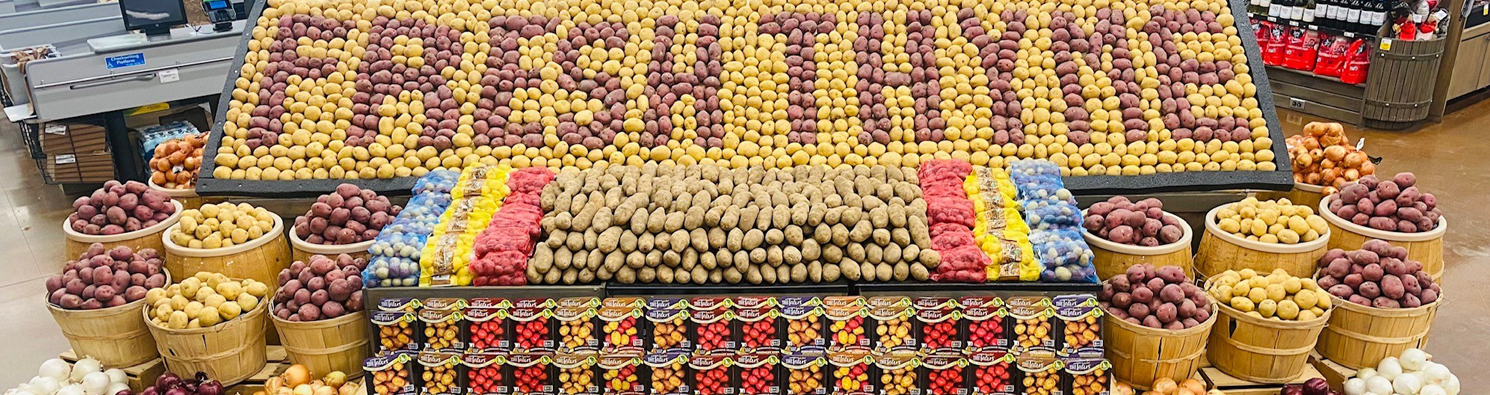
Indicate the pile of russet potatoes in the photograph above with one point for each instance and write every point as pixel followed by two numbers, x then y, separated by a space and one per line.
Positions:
pixel 348 89
pixel 712 224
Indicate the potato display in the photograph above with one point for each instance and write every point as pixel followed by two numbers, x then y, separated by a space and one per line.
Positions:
pixel 1394 205
pixel 349 215
pixel 1323 156
pixel 712 224
pixel 221 225
pixel 1143 223
pixel 176 162
pixel 1156 298
pixel 119 207
pixel 203 300
pixel 1272 221
pixel 324 288
pixel 1377 275
pixel 106 278
pixel 407 86
pixel 1275 296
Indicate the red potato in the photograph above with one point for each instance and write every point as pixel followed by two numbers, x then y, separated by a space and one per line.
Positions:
pixel 1178 304
pixel 1135 223
pixel 321 289
pixel 1395 205
pixel 118 208
pixel 108 276
pixel 1378 275
pixel 348 215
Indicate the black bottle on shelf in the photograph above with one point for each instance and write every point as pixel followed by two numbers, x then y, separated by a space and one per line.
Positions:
pixel 1353 10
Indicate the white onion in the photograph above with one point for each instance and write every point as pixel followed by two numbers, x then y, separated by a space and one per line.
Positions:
pixel 115 388
pixel 1389 368
pixel 1412 359
pixel 84 367
pixel 1435 373
pixel 1378 385
pixel 1407 384
pixel 55 368
pixel 45 385
pixel 96 383
pixel 117 376
pixel 1355 386
pixel 1366 373
pixel 1431 389
pixel 1452 386
pixel 72 389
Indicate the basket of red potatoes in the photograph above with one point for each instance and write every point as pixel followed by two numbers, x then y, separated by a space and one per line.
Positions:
pixel 1153 315
pixel 98 297
pixel 344 221
pixel 1124 233
pixel 318 312
pixel 119 214
pixel 1392 210
pixel 1385 302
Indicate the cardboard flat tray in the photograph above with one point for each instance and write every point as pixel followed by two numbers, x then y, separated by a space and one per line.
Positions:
pixel 1280 180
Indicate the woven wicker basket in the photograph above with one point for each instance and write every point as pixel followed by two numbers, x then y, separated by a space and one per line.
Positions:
pixel 300 250
pixel 115 336
pixel 1259 349
pixel 1221 251
pixel 1141 355
pixel 77 243
pixel 1425 247
pixel 1360 337
pixel 260 259
pixel 229 352
pixel 337 344
pixel 1114 258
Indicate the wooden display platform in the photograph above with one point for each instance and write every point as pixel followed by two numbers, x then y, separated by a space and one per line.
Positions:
pixel 140 376
pixel 277 361
pixel 1334 373
pixel 144 375
pixel 1215 378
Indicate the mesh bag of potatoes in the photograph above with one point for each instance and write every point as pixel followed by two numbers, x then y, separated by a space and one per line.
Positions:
pixel 713 224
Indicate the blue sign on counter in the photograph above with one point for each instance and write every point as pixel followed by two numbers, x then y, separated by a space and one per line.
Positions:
pixel 122 61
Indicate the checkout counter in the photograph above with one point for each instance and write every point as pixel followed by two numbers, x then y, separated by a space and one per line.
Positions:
pixel 99 69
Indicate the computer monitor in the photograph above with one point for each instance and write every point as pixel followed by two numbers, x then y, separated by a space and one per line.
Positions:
pixel 154 17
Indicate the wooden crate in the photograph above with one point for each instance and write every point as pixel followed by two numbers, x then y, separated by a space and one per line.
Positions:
pixel 1215 378
pixel 1333 372
pixel 140 376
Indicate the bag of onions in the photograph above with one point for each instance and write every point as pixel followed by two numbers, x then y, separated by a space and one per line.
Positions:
pixel 318 310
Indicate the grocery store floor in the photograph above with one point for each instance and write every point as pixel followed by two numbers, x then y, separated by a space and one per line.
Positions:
pixel 1447 157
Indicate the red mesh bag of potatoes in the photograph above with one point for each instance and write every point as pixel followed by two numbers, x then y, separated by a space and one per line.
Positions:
pixel 505 239
pixel 937 171
pixel 943 189
pixel 947 240
pixel 950 210
pixel 529 180
pixel 962 264
pixel 501 268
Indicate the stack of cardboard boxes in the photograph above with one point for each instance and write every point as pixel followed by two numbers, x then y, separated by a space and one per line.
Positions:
pixel 76 153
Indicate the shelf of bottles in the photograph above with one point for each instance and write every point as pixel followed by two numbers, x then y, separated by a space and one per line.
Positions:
pixel 1350 18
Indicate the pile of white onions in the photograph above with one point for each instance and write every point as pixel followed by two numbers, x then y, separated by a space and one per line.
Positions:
pixel 1410 374
pixel 87 377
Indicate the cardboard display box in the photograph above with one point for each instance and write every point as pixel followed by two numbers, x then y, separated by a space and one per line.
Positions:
pixel 60 138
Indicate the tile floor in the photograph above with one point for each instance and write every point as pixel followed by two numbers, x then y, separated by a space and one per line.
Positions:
pixel 1448 157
